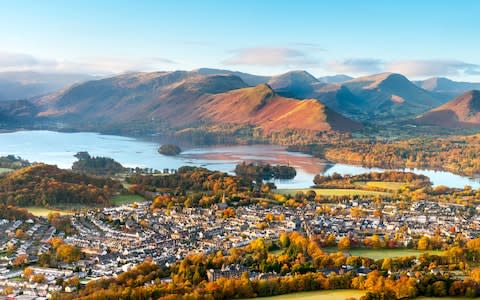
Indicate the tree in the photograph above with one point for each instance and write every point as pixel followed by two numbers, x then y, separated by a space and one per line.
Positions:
pixel 20 260
pixel 284 240
pixel 475 275
pixel 423 243
pixel 27 273
pixel 387 264
pixel 356 212
pixel 68 253
pixel 56 242
pixel 344 243
pixel 439 289
pixel 228 213
pixel 38 278
pixel 19 234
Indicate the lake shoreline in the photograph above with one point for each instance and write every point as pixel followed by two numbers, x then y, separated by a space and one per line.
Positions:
pixel 54 147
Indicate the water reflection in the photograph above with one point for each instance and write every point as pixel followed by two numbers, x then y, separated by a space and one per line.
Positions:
pixel 59 148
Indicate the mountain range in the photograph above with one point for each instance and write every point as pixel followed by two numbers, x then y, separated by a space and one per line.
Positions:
pixel 180 99
pixel 24 85
pixel 463 111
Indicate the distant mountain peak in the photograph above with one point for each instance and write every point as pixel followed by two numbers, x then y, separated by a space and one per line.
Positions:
pixel 334 79
pixel 296 75
pixel 381 79
pixel 447 86
pixel 249 79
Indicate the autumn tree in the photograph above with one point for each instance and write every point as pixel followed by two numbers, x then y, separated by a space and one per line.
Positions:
pixel 344 243
pixel 423 243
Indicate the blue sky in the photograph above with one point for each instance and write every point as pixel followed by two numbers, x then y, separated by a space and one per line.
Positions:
pixel 417 38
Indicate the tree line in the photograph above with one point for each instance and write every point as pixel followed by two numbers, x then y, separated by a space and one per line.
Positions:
pixel 261 171
pixel 47 185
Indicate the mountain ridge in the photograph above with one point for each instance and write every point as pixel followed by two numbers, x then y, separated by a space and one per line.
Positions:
pixel 179 99
pixel 463 111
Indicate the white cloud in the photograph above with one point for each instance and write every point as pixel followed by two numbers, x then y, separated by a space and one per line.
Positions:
pixel 92 65
pixel 10 60
pixel 356 66
pixel 428 68
pixel 411 68
pixel 270 56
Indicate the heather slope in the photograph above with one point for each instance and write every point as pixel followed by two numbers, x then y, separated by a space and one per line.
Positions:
pixel 463 111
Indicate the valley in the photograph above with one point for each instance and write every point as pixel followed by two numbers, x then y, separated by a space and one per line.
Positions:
pixel 218 150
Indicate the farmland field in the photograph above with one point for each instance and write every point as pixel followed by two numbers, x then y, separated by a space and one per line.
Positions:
pixel 387 185
pixel 127 199
pixel 442 298
pixel 332 192
pixel 43 212
pixel 4 170
pixel 385 253
pixel 319 295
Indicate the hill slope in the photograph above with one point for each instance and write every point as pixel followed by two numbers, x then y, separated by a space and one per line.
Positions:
pixel 390 94
pixel 184 99
pixel 445 85
pixel 463 111
pixel 44 185
pixel 263 107
pixel 447 89
pixel 302 85
pixel 298 84
pixel 133 97
pixel 249 79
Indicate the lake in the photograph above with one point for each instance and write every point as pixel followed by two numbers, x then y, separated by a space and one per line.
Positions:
pixel 58 148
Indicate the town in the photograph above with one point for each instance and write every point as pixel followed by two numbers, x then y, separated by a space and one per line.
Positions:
pixel 115 239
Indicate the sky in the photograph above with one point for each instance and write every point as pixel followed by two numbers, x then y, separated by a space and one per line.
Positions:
pixel 417 38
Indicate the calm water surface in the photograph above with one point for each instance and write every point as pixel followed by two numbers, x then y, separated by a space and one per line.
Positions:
pixel 59 148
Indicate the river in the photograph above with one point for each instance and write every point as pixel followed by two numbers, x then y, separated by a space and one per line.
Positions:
pixel 58 148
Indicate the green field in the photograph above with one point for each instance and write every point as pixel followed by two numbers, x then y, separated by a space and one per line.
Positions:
pixel 332 192
pixel 126 199
pixel 43 212
pixel 441 298
pixel 387 185
pixel 276 252
pixel 319 295
pixel 384 253
pixel 4 170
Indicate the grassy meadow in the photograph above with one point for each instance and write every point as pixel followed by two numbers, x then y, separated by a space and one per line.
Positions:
pixel 319 295
pixel 387 185
pixel 126 199
pixel 5 170
pixel 43 212
pixel 384 253
pixel 332 192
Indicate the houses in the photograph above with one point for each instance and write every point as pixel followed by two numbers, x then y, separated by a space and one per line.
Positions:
pixel 118 238
pixel 231 271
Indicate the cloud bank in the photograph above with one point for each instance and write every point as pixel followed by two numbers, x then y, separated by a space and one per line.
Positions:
pixel 92 65
pixel 270 56
pixel 412 68
pixel 356 66
pixel 427 68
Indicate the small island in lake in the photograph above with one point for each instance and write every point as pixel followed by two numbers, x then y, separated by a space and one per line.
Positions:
pixel 96 165
pixel 169 149
pixel 265 171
